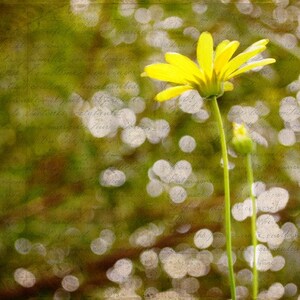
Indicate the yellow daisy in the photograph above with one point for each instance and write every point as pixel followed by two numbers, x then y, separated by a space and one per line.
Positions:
pixel 210 77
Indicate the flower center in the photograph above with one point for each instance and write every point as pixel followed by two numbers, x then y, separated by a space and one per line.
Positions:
pixel 212 87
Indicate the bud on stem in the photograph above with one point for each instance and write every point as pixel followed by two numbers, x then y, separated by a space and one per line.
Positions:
pixel 241 141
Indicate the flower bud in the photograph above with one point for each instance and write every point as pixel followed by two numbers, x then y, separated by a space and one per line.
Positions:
pixel 241 141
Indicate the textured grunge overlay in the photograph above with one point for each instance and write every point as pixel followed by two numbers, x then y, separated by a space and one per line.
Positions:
pixel 107 192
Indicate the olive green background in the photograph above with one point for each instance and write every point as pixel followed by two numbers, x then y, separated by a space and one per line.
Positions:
pixel 50 164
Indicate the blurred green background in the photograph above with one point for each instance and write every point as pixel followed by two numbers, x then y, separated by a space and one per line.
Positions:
pixel 81 203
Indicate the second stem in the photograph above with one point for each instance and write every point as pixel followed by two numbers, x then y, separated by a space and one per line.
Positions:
pixel 218 116
pixel 253 226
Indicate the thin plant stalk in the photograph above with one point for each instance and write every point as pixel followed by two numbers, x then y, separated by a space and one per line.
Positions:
pixel 253 226
pixel 218 117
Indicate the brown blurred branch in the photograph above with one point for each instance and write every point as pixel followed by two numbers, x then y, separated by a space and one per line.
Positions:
pixel 96 269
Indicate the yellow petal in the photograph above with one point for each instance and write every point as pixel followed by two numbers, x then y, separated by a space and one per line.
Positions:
pixel 205 53
pixel 239 129
pixel 188 67
pixel 224 56
pixel 228 86
pixel 252 65
pixel 220 47
pixel 172 92
pixel 263 42
pixel 165 72
pixel 239 60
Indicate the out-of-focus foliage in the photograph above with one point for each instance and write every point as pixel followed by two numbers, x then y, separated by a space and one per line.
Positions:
pixel 103 190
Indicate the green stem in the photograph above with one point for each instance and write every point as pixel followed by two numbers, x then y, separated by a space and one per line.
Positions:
pixel 253 226
pixel 218 116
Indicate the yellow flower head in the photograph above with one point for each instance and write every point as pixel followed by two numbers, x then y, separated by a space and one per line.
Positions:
pixel 210 77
